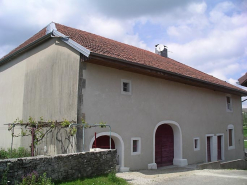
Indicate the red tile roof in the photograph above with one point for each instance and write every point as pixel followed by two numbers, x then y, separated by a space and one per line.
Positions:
pixel 38 35
pixel 118 50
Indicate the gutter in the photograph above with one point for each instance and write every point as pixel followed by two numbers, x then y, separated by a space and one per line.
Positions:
pixel 51 29
pixel 27 47
pixel 243 93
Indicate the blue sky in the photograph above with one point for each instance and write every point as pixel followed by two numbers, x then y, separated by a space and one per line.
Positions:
pixel 207 35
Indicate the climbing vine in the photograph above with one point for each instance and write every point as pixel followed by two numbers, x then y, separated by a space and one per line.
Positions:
pixel 39 129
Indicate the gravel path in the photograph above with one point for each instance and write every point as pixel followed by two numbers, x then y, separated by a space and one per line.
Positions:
pixel 182 176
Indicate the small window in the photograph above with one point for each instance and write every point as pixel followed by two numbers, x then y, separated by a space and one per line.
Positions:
pixel 230 137
pixel 228 103
pixel 231 144
pixel 135 146
pixel 196 144
pixel 126 87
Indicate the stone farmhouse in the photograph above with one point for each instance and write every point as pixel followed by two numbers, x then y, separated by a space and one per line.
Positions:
pixel 161 112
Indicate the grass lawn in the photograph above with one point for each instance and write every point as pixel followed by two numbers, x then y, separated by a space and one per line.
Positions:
pixel 245 144
pixel 245 131
pixel 110 179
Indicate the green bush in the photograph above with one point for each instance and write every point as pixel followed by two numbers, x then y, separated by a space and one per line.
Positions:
pixel 34 179
pixel 245 118
pixel 4 154
pixel 245 132
pixel 16 153
pixel 110 179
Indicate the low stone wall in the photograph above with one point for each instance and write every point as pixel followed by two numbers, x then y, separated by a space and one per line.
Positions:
pixel 61 167
pixel 236 164
pixel 210 165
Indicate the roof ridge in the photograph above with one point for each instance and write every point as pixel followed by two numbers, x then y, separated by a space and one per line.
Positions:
pixel 152 53
pixel 106 38
pixel 117 50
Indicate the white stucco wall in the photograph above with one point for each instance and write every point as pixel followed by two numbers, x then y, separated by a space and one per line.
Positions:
pixel 198 112
pixel 44 82
pixel 40 82
pixel 12 77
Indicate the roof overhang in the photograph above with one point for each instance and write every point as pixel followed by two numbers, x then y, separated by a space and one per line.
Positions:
pixel 72 43
pixel 243 80
pixel 26 48
pixel 159 73
pixel 51 31
pixel 104 60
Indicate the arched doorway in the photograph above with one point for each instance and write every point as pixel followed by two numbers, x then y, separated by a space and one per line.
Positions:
pixel 104 143
pixel 118 144
pixel 164 145
pixel 177 143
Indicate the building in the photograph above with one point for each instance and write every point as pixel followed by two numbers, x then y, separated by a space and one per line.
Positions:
pixel 161 112
pixel 243 80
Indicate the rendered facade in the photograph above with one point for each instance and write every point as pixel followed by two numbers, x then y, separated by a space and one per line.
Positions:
pixel 161 112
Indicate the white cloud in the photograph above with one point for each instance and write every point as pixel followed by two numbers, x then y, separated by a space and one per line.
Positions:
pixel 209 37
pixel 220 50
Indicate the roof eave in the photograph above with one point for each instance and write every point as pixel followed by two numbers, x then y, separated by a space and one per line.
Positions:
pixel 27 47
pixel 239 92
pixel 243 80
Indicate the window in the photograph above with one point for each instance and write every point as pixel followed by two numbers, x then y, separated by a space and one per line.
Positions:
pixel 126 87
pixel 230 137
pixel 135 143
pixel 231 141
pixel 135 146
pixel 228 103
pixel 196 144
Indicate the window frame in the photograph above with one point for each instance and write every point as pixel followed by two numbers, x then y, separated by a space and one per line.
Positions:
pixel 230 127
pixel 122 86
pixel 138 139
pixel 231 108
pixel 198 143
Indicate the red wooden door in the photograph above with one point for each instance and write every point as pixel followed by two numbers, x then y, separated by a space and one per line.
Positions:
pixel 104 142
pixel 219 148
pixel 208 149
pixel 164 145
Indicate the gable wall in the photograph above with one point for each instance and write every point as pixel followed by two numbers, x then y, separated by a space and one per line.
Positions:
pixel 198 111
pixel 40 82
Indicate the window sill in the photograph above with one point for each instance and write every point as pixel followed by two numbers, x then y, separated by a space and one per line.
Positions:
pixel 231 147
pixel 135 153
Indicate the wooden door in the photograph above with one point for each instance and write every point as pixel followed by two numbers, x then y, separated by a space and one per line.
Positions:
pixel 104 143
pixel 209 149
pixel 219 156
pixel 164 145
